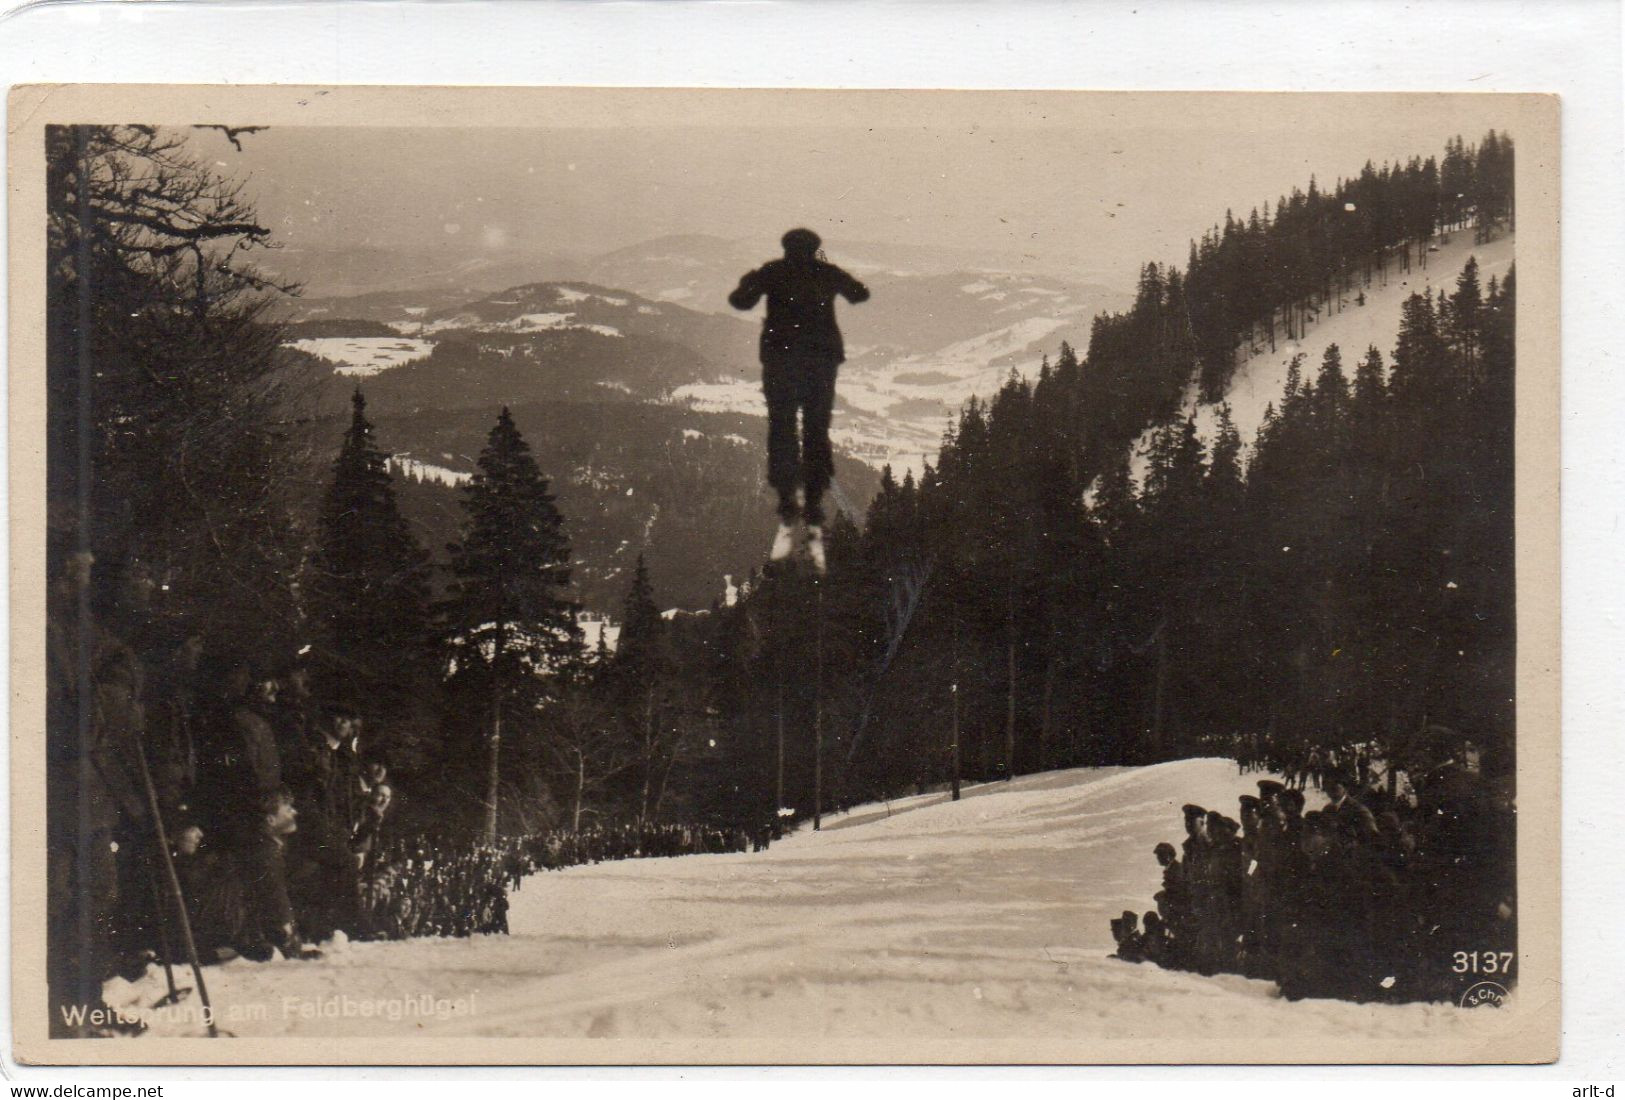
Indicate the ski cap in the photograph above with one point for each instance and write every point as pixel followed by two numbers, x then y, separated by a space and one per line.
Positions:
pixel 800 242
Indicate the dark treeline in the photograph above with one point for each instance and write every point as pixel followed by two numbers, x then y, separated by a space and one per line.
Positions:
pixel 1026 605
pixel 1350 583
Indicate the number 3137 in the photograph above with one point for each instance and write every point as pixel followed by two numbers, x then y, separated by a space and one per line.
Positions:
pixel 1482 962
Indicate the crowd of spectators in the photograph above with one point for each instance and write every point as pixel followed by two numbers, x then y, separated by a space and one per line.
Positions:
pixel 558 848
pixel 423 889
pixel 1368 763
pixel 1369 897
pixel 275 810
pixel 268 806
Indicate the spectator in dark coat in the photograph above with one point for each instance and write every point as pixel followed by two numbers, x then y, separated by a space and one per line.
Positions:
pixel 245 764
pixel 173 715
pixel 211 888
pixel 291 712
pixel 268 923
pixel 95 800
pixel 327 787
pixel 1350 812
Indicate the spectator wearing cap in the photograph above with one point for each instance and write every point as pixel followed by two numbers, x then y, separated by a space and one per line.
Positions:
pixel 1197 877
pixel 1253 844
pixel 1308 903
pixel 1174 901
pixel 1224 894
pixel 1126 931
pixel 1278 857
pixel 211 887
pixel 1172 871
pixel 1195 832
pixel 248 764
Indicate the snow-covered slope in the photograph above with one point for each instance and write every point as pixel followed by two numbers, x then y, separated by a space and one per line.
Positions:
pixel 1261 377
pixel 415 469
pixel 921 923
pixel 362 356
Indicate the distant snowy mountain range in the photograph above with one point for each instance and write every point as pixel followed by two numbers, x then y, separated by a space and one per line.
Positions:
pixel 926 342
pixel 640 389
pixel 643 387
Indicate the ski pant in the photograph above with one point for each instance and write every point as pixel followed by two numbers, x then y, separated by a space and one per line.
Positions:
pixel 804 382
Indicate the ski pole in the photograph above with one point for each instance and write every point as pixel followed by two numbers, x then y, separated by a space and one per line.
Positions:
pixel 175 895
pixel 818 708
pixel 164 943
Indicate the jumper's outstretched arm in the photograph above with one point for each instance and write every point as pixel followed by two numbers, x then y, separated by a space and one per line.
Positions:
pixel 749 291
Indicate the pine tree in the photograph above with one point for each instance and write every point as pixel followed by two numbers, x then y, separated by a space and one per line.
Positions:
pixel 368 585
pixel 640 618
pixel 1331 398
pixel 1190 460
pixel 507 612
pixel 1116 503
pixel 1455 181
pixel 655 704
pixel 1294 382
pixel 1369 386
pixel 1466 320
pixel 1418 371
pixel 1224 475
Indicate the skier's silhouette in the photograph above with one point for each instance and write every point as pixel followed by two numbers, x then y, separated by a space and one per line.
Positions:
pixel 801 351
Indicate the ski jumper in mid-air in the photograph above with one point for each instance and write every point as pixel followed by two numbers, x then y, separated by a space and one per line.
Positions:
pixel 801 352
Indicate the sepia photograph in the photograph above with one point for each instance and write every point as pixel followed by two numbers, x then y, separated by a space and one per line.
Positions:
pixel 637 576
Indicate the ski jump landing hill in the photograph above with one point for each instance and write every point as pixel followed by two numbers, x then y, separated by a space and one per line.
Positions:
pixel 914 921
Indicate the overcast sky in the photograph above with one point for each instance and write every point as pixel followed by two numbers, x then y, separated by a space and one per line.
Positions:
pixel 1093 192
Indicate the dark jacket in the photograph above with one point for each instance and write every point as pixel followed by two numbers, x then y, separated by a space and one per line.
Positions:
pixel 1353 817
pixel 327 792
pixel 800 306
pixel 253 762
pixel 95 772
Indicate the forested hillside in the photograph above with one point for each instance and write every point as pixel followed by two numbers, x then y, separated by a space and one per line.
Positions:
pixel 584 370
pixel 683 489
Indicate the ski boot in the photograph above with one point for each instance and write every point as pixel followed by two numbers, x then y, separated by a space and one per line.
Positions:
pixel 784 542
pixel 812 548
